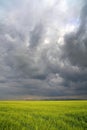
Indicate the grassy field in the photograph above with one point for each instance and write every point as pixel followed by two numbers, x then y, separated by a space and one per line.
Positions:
pixel 43 115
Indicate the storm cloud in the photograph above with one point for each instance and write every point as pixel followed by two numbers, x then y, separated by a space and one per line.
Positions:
pixel 43 49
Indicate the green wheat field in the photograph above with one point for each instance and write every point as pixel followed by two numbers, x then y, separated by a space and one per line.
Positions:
pixel 43 115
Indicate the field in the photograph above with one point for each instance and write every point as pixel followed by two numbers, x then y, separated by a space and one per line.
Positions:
pixel 43 115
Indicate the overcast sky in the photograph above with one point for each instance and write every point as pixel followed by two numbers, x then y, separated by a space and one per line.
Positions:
pixel 43 49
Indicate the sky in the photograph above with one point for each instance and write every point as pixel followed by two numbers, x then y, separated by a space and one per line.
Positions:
pixel 43 49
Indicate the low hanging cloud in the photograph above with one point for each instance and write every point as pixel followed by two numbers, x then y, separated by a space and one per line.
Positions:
pixel 43 49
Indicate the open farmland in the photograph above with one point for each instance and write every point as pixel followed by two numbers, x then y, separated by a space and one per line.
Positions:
pixel 43 115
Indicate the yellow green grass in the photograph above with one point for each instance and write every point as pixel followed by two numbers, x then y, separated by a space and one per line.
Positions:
pixel 43 115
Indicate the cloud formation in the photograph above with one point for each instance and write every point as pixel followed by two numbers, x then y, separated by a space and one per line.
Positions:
pixel 43 48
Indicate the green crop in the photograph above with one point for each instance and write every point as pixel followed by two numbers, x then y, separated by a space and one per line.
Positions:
pixel 43 115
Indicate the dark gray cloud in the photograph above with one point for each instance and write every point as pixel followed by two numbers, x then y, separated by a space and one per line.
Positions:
pixel 43 49
pixel 36 35
pixel 75 52
pixel 76 42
